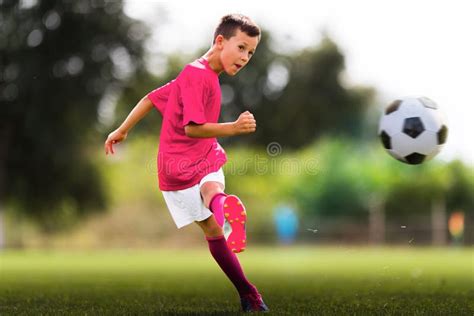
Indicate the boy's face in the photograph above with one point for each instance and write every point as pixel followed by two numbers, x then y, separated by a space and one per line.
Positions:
pixel 236 51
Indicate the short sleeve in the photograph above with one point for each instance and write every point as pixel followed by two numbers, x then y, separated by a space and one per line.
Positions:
pixel 159 96
pixel 193 91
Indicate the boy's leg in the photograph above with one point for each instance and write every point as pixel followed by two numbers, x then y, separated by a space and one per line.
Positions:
pixel 224 257
pixel 209 190
pixel 213 196
pixel 250 299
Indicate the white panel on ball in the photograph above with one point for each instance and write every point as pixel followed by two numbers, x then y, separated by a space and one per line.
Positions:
pixel 426 143
pixel 392 123
pixel 433 119
pixel 411 107
pixel 403 145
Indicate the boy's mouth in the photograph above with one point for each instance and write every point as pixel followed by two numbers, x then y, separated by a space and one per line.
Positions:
pixel 238 66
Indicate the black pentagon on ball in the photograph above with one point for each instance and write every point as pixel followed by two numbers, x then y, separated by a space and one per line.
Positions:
pixel 386 140
pixel 442 135
pixel 415 158
pixel 413 126
pixel 393 107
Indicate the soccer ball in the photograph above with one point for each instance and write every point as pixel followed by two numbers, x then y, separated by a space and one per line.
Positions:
pixel 413 129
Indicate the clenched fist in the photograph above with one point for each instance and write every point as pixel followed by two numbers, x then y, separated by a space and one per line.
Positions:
pixel 245 124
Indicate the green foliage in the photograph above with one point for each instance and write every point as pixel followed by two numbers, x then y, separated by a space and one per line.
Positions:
pixel 450 182
pixel 352 175
pixel 60 59
pixel 336 189
pixel 332 177
pixel 415 193
pixel 131 175
pixel 461 190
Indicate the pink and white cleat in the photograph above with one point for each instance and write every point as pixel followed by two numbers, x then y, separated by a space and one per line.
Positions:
pixel 235 216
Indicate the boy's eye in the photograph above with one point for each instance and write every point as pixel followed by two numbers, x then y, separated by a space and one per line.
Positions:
pixel 241 47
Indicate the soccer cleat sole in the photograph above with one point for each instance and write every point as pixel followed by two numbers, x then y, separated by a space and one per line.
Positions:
pixel 236 216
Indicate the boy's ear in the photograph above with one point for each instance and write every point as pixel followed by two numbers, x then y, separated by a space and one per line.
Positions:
pixel 219 41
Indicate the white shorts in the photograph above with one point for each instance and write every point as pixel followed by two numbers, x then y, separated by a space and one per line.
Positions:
pixel 186 206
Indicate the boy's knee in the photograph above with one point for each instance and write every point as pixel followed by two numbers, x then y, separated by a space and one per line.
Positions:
pixel 211 186
pixel 209 189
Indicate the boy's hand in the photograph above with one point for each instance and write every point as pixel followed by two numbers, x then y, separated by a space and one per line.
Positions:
pixel 115 137
pixel 245 124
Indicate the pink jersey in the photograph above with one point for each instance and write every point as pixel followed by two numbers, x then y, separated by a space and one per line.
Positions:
pixel 194 96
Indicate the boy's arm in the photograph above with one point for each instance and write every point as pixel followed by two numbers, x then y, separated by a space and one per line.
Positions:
pixel 245 124
pixel 139 111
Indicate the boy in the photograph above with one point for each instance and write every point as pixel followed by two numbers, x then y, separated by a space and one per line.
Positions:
pixel 190 158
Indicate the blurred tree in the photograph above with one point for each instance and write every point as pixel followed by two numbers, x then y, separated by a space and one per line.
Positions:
pixel 336 190
pixel 361 181
pixel 460 195
pixel 62 65
pixel 421 191
pixel 438 188
pixel 296 98
pixel 138 88
pixel 424 184
pixel 379 175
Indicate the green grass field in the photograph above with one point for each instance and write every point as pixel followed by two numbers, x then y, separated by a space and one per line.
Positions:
pixel 293 281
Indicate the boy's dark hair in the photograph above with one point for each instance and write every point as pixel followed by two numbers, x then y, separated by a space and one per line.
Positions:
pixel 232 22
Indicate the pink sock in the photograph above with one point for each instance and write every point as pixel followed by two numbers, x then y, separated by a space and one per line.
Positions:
pixel 217 207
pixel 229 263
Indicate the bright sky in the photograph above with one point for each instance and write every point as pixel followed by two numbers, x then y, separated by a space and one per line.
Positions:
pixel 401 48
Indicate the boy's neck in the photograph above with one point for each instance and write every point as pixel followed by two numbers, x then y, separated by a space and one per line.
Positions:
pixel 212 57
